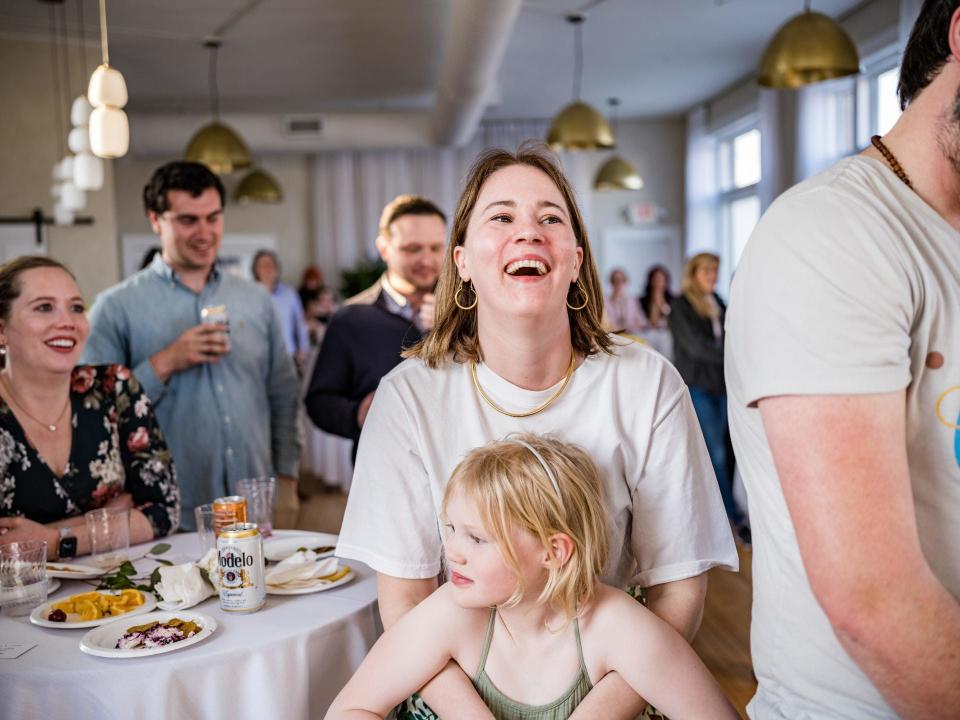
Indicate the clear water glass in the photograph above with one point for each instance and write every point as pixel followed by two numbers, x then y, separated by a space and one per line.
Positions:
pixel 109 536
pixel 23 576
pixel 260 494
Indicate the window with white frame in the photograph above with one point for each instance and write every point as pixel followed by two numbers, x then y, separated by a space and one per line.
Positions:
pixel 878 106
pixel 738 200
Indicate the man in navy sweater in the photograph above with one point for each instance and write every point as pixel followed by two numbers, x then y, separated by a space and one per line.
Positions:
pixel 364 339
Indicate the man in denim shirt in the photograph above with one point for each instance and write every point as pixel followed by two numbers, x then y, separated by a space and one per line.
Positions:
pixel 225 396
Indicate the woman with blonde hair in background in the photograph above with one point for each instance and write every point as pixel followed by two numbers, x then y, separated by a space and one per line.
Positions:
pixel 518 346
pixel 696 322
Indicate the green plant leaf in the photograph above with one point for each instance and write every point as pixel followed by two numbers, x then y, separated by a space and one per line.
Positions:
pixel 126 568
pixel 164 562
pixel 159 549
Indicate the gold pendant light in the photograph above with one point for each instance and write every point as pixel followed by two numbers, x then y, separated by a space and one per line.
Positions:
pixel 579 126
pixel 258 187
pixel 617 173
pixel 809 48
pixel 217 145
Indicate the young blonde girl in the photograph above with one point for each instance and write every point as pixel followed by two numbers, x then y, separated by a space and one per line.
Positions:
pixel 524 614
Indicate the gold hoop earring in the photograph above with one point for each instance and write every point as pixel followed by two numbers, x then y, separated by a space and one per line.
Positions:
pixel 456 297
pixel 583 292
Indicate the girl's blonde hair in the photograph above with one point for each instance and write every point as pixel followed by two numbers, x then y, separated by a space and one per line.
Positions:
pixel 691 290
pixel 513 491
pixel 455 330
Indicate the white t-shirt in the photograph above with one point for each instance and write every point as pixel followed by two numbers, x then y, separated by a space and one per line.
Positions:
pixel 630 411
pixel 849 283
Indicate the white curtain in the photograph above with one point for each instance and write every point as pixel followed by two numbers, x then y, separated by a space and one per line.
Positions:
pixel 701 185
pixel 350 189
pixel 826 124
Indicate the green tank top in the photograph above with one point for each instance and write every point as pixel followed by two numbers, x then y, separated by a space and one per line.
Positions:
pixel 503 708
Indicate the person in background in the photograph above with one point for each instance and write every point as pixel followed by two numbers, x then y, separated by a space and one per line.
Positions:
pixel 696 322
pixel 226 396
pixel 518 346
pixel 623 310
pixel 656 298
pixel 319 306
pixel 843 364
pixel 265 269
pixel 655 303
pixel 312 280
pixel 73 438
pixel 364 339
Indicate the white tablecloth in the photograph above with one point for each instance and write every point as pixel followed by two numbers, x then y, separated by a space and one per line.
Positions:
pixel 288 660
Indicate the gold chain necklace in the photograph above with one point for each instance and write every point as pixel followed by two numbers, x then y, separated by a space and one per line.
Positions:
pixel 891 160
pixel 540 408
pixel 52 427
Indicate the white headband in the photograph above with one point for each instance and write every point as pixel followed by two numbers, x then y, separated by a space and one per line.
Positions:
pixel 543 463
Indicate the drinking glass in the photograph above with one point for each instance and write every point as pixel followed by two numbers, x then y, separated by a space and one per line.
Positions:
pixel 206 532
pixel 23 576
pixel 259 493
pixel 109 536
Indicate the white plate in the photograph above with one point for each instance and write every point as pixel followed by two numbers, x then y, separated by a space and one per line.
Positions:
pixel 73 571
pixel 52 585
pixel 102 641
pixel 40 613
pixel 281 547
pixel 315 586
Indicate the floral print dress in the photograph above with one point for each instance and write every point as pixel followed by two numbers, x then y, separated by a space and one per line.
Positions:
pixel 117 447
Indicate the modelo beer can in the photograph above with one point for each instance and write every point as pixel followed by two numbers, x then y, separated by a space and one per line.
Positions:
pixel 229 511
pixel 240 564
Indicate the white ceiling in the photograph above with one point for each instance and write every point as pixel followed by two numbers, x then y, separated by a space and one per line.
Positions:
pixel 289 56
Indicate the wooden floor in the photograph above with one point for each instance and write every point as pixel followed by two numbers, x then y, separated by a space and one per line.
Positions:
pixel 724 638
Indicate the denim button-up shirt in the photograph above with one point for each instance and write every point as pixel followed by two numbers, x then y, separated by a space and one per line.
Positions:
pixel 223 421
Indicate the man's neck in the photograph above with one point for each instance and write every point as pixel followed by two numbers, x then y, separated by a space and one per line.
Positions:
pixel 916 142
pixel 406 290
pixel 532 353
pixel 193 278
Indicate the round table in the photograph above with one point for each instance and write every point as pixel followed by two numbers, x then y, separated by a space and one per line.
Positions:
pixel 287 660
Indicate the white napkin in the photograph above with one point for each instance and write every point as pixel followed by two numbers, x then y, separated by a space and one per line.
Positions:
pixel 182 586
pixel 301 567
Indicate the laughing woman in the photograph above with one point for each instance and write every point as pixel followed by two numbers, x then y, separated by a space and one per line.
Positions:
pixel 518 347
pixel 72 438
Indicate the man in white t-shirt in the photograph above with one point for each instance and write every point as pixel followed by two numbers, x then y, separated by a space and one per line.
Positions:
pixel 843 364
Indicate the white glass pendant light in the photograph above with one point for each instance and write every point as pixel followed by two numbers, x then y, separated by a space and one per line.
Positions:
pixel 107 91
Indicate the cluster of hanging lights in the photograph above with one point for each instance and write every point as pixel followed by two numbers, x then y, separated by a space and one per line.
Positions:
pixel 220 147
pixel 580 126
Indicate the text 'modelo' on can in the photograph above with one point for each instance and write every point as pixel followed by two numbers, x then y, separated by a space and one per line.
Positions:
pixel 240 564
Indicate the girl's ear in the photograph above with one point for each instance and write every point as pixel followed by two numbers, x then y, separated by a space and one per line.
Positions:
pixel 559 550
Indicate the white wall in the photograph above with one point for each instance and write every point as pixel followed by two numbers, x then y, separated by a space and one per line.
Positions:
pixel 29 136
pixel 657 148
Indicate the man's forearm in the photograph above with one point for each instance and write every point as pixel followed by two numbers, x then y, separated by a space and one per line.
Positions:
pixel 906 638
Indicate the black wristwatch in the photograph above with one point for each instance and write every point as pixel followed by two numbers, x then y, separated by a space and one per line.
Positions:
pixel 68 544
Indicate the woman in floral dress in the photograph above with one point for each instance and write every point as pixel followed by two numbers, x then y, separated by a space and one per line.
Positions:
pixel 72 438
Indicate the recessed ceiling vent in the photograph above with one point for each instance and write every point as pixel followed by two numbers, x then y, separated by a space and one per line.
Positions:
pixel 303 125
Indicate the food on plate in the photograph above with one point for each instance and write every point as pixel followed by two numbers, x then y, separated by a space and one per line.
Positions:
pixel 95 605
pixel 318 550
pixel 64 568
pixel 155 634
pixel 337 575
